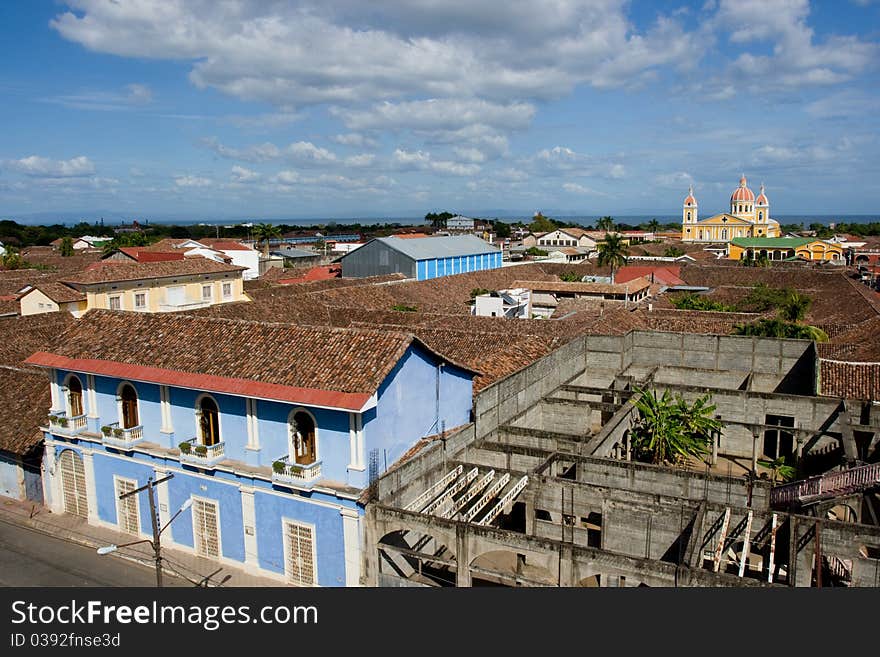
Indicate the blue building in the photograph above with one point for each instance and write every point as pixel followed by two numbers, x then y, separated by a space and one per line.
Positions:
pixel 421 257
pixel 272 430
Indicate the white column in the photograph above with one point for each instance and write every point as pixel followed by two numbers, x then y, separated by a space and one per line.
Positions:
pixel 165 407
pixel 91 395
pixel 351 540
pixel 51 479
pixel 57 401
pixel 355 441
pixel 249 521
pixel 91 487
pixel 253 429
pixel 359 420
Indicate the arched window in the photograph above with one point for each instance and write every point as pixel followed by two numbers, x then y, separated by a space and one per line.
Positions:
pixel 74 397
pixel 761 215
pixel 724 233
pixel 689 216
pixel 209 421
pixel 129 402
pixel 303 445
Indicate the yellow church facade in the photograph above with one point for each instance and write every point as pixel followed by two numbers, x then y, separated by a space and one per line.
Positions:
pixel 748 217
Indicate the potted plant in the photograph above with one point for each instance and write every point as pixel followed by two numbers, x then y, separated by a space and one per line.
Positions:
pixel 278 467
pixel 62 421
pixel 118 433
pixel 201 450
pixel 185 447
pixel 53 419
pixel 106 430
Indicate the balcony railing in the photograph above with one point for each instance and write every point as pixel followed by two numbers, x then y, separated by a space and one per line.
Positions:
pixel 285 471
pixel 192 305
pixel 69 425
pixel 119 437
pixel 204 456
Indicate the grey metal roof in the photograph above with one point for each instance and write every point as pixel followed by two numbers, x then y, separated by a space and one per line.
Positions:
pixel 294 253
pixel 427 248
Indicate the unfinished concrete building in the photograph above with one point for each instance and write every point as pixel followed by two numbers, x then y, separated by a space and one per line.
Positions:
pixel 542 489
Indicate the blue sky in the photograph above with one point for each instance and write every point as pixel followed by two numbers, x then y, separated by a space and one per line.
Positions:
pixel 255 109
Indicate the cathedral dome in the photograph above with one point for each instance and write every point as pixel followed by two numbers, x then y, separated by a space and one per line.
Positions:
pixel 690 200
pixel 742 193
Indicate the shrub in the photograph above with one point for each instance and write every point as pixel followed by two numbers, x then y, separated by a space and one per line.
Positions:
pixel 185 447
pixel 53 419
pixel 62 421
pixel 201 450
pixel 691 301
pixel 570 277
pixel 403 308
pixel 106 430
pixel 278 467
pixel 535 251
pixel 118 432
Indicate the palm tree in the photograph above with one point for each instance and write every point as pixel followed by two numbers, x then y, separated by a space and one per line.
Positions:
pixel 653 226
pixel 795 307
pixel 613 252
pixel 606 224
pixel 265 232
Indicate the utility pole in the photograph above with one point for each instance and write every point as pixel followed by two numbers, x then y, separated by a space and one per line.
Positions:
pixel 155 543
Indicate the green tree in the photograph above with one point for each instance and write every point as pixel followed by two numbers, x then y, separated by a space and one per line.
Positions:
pixel 653 226
pixel 613 252
pixel 780 468
pixel 542 224
pixel 66 247
pixel 535 251
pixel 795 307
pixel 669 430
pixel 570 277
pixel 502 229
pixel 606 224
pixel 672 252
pixel 265 232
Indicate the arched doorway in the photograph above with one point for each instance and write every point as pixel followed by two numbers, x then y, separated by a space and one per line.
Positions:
pixel 73 483
pixel 303 445
pixel 129 402
pixel 209 421
pixel 74 397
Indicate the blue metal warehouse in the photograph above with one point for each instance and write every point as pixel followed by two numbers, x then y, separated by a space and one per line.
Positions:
pixel 421 258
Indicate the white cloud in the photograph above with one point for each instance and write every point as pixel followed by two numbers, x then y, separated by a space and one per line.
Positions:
pixel 576 188
pixel 422 161
pixel 346 52
pixel 438 114
pixel 286 177
pixel 243 175
pixel 362 160
pixel 256 153
pixel 847 104
pixel 192 181
pixel 305 152
pixel 131 96
pixel 355 139
pixel 44 167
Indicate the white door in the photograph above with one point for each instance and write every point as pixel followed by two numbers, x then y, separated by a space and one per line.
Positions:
pixel 299 559
pixel 127 508
pixel 73 484
pixel 176 295
pixel 206 532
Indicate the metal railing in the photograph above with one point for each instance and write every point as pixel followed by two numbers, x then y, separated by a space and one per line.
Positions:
pixel 289 472
pixel 827 484
pixel 124 437
pixel 65 424
pixel 203 454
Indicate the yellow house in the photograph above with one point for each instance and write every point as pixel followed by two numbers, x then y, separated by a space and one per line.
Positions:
pixel 784 248
pixel 51 297
pixel 153 287
pixel 748 217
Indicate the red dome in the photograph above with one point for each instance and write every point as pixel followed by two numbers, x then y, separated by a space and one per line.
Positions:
pixel 742 193
pixel 690 200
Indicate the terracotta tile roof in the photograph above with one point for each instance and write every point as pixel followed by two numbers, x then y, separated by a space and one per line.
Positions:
pixel 141 254
pixel 315 274
pixel 311 365
pixel 224 244
pixel 24 404
pixel 666 275
pixel 22 336
pixel 634 285
pixel 57 292
pixel 109 272
pixel 849 380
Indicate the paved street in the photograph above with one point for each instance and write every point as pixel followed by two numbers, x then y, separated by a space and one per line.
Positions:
pixel 33 558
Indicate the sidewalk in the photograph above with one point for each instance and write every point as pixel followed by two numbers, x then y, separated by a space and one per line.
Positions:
pixel 197 570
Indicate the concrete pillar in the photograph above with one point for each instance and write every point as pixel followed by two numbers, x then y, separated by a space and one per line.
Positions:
pixel 91 487
pixel 755 436
pixel 351 540
pixel 529 501
pixel 249 522
pixel 462 557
